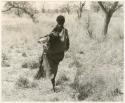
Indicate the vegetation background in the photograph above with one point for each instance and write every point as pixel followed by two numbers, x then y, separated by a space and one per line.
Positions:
pixel 92 69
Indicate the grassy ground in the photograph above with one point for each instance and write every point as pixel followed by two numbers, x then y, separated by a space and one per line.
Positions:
pixel 92 69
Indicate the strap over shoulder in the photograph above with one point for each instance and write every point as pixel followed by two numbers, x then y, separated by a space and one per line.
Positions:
pixel 62 35
pixel 54 33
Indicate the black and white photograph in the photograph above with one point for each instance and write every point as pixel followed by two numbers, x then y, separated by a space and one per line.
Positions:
pixel 62 51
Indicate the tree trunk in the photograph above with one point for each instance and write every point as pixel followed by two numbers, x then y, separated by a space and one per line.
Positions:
pixel 106 23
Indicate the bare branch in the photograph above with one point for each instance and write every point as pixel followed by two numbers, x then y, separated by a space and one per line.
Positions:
pixel 114 6
pixel 83 3
pixel 102 6
pixel 119 6
pixel 7 9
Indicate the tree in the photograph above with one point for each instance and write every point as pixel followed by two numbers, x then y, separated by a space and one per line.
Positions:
pixel 67 8
pixel 80 9
pixel 20 8
pixel 108 8
pixel 43 7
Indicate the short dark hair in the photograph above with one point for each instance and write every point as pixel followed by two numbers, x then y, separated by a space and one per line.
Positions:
pixel 60 20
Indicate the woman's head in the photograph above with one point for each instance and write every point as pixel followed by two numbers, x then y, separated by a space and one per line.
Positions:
pixel 60 20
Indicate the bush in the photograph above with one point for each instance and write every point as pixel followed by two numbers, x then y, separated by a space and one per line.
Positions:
pixel 62 79
pixel 5 60
pixel 34 65
pixel 23 82
pixel 31 65
pixel 24 54
pixel 5 63
pixel 85 91
pixel 24 65
pixel 4 56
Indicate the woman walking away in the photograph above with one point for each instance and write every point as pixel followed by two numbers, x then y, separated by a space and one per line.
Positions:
pixel 55 47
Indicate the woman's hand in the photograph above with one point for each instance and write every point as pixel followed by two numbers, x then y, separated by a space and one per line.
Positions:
pixel 43 39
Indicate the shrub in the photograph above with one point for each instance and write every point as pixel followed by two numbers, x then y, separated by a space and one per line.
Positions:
pixel 31 65
pixel 24 65
pixel 23 82
pixel 34 65
pixel 5 61
pixel 4 56
pixel 24 54
pixel 85 91
pixel 116 92
pixel 62 79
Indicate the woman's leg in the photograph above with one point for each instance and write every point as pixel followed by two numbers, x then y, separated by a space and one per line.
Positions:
pixel 53 79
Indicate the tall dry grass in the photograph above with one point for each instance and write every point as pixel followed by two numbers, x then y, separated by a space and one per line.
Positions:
pixel 98 63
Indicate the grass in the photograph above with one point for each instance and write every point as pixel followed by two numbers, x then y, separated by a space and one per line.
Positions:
pixel 24 82
pixel 62 78
pixel 5 60
pixel 31 65
pixel 98 63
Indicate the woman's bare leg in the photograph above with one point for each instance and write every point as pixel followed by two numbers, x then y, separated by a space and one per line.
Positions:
pixel 53 79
